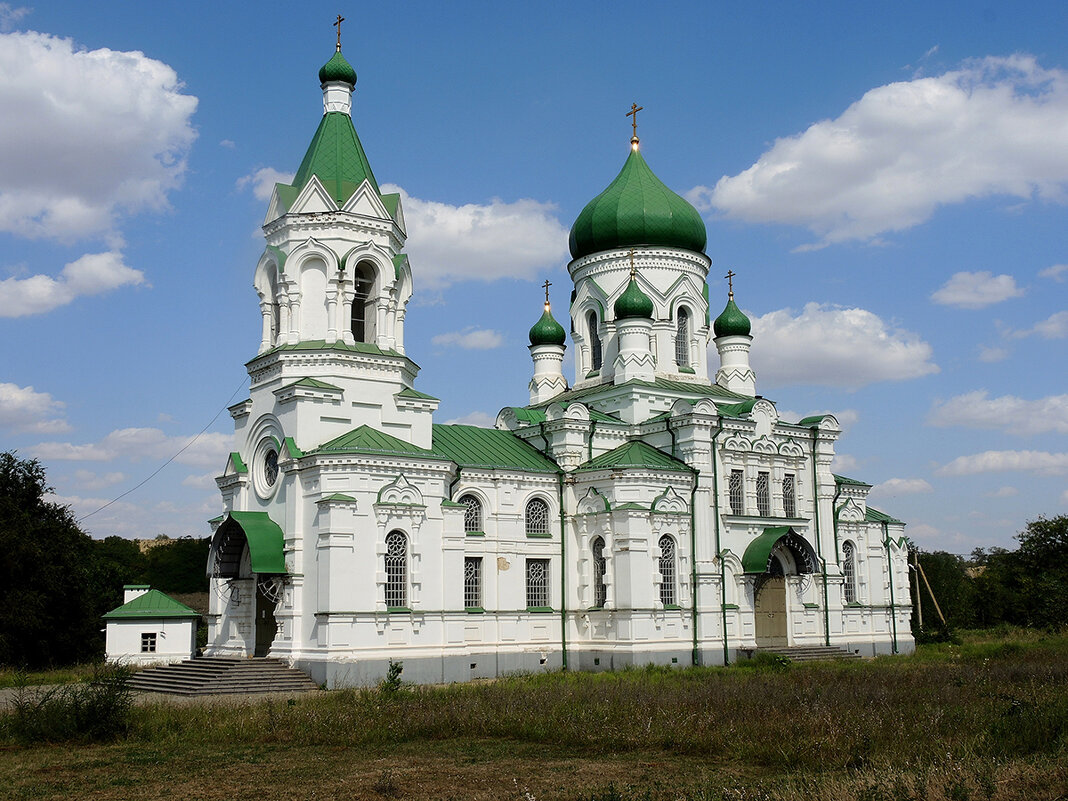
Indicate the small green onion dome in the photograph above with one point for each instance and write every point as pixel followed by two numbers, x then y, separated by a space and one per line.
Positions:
pixel 732 322
pixel 633 303
pixel 337 69
pixel 547 331
pixel 636 209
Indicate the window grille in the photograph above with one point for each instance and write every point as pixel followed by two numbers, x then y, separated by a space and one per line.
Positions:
pixel 600 566
pixel 763 495
pixel 789 496
pixel 537 517
pixel 595 341
pixel 364 281
pixel 396 570
pixel 472 582
pixel 737 489
pixel 849 571
pixel 682 339
pixel 148 642
pixel 472 513
pixel 537 583
pixel 668 596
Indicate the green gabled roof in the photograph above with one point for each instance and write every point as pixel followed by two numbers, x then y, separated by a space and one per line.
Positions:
pixel 365 439
pixel 737 409
pixel 151 604
pixel 238 462
pixel 470 446
pixel 286 195
pixel 534 416
pixel 292 449
pixel 408 392
pixel 392 203
pixel 630 506
pixel 336 156
pixel 713 391
pixel 636 453
pixel 312 383
pixel 814 420
pixel 340 497
pixel 875 516
pixel 852 482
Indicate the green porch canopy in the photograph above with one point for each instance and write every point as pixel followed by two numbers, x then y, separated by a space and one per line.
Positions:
pixel 265 545
pixel 758 556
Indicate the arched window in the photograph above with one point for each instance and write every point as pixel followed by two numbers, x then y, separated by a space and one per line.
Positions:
pixel 396 570
pixel 595 341
pixel 600 565
pixel 472 512
pixel 682 338
pixel 849 571
pixel 668 596
pixel 362 307
pixel 537 518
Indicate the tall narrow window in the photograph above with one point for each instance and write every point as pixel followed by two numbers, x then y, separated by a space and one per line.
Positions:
pixel 849 587
pixel 668 597
pixel 737 488
pixel 363 278
pixel 537 583
pixel 537 518
pixel 472 513
pixel 600 591
pixel 595 341
pixel 763 495
pixel 789 496
pixel 473 582
pixel 396 570
pixel 682 338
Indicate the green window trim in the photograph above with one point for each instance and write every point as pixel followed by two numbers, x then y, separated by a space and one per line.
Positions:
pixel 540 609
pixel 672 607
pixel 475 533
pixel 593 373
pixel 474 610
pixel 731 606
pixel 812 606
pixel 399 610
pixel 539 536
pixel 689 370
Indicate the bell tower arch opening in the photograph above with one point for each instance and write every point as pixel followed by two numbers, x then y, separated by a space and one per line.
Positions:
pixel 363 305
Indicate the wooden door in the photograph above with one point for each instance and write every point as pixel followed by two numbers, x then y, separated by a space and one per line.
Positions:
pixel 771 613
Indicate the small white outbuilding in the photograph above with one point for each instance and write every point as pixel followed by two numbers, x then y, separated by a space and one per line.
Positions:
pixel 150 628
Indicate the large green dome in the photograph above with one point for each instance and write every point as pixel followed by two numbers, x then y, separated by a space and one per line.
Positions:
pixel 337 69
pixel 732 322
pixel 547 331
pixel 636 209
pixel 633 303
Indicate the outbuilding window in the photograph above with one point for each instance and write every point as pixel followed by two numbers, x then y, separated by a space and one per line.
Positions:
pixel 148 642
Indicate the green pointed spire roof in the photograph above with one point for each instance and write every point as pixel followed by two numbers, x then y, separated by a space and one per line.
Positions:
pixel 732 322
pixel 336 156
pixel 547 331
pixel 636 209
pixel 337 69
pixel 633 303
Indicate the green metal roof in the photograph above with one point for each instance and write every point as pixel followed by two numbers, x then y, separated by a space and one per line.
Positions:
pixel 636 209
pixel 713 391
pixel 636 453
pixel 340 497
pixel 239 463
pixel 547 331
pixel 312 383
pixel 392 203
pixel 292 449
pixel 364 439
pixel 757 556
pixel 534 416
pixel 875 516
pixel 408 392
pixel 336 156
pixel 814 420
pixel 337 69
pixel 852 482
pixel 265 540
pixel 489 448
pixel 630 507
pixel 633 303
pixel 151 604
pixel 322 344
pixel 731 322
pixel 736 409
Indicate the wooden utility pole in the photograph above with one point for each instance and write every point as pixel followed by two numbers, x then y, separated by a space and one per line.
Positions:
pixel 937 607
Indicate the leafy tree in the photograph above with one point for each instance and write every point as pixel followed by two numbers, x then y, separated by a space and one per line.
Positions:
pixel 1043 556
pixel 178 565
pixel 948 575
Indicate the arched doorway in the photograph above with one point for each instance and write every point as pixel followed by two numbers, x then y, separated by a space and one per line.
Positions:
pixel 777 553
pixel 770 613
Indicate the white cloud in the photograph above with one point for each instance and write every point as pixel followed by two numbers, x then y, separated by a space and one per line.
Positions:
pixel 263 180
pixel 480 419
pixel 1056 272
pixel 523 239
pixel 24 409
pixel 1053 327
pixel 201 481
pixel 901 486
pixel 844 463
pixel 991 355
pixel 1006 413
pixel 92 274
pixel 995 126
pixel 227 143
pixel 10 17
pixel 88 134
pixel 135 444
pixel 1004 492
pixel 1003 461
pixel 470 339
pixel 976 290
pixel 93 481
pixel 833 346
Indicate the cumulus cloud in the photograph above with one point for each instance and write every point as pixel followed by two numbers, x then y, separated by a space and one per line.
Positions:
pixel 480 419
pixel 1041 462
pixel 470 339
pixel 1004 492
pixel 1056 273
pixel 482 242
pixel 992 354
pixel 1006 413
pixel 93 481
pixel 92 274
pixel 995 126
pixel 976 290
pixel 88 134
pixel 263 180
pixel 11 16
pixel 1053 327
pixel 135 444
pixel 833 346
pixel 902 486
pixel 25 409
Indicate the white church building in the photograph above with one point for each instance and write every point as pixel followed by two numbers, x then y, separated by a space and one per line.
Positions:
pixel 654 510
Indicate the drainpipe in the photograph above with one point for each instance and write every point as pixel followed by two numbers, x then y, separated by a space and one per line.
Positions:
pixel 563 573
pixel 816 506
pixel 890 574
pixel 715 528
pixel 589 449
pixel 834 523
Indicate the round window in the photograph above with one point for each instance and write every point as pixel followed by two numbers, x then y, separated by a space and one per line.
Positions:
pixel 270 467
pixel 265 468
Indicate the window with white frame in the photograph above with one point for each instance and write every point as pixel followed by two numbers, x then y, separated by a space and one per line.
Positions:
pixel 537 583
pixel 764 494
pixel 148 642
pixel 595 341
pixel 737 490
pixel 849 571
pixel 472 512
pixel 668 596
pixel 789 496
pixel 473 582
pixel 682 338
pixel 600 566
pixel 537 518
pixel 396 570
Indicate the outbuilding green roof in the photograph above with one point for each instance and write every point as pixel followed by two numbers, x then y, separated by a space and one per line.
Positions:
pixel 470 446
pixel 151 604
pixel 636 454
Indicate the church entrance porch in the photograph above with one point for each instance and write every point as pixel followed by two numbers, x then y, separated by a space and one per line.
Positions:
pixel 770 613
pixel 266 626
pixel 769 559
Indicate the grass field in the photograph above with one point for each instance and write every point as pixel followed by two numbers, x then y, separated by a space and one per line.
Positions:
pixel 986 719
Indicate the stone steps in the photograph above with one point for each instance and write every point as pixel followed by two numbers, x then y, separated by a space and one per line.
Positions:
pixel 804 653
pixel 222 675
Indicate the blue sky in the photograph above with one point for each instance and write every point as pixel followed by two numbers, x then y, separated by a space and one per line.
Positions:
pixel 888 182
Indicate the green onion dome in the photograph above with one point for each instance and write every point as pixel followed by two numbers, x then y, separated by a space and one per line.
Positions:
pixel 337 69
pixel 547 331
pixel 636 209
pixel 732 322
pixel 633 303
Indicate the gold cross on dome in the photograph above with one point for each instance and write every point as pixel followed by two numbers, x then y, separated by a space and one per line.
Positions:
pixel 633 269
pixel 633 113
pixel 546 286
pixel 337 25
pixel 730 283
